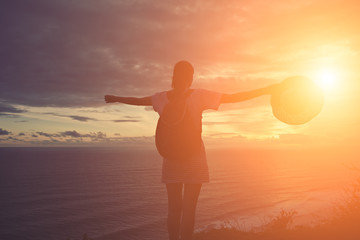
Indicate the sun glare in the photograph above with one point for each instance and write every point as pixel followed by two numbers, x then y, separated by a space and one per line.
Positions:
pixel 327 78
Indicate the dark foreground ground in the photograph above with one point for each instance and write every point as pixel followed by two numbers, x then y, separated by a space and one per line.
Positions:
pixel 344 224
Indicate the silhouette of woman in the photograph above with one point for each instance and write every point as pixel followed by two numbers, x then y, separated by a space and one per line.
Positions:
pixel 184 179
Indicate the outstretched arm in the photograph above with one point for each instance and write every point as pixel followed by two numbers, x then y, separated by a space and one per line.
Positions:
pixel 243 96
pixel 145 101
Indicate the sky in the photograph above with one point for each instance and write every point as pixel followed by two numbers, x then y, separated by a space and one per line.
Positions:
pixel 59 58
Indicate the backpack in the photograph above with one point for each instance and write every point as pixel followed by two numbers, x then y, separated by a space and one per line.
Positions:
pixel 177 137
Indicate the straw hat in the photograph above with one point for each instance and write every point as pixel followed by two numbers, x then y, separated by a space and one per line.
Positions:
pixel 298 101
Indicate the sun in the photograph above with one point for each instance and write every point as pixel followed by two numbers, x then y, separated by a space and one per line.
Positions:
pixel 327 79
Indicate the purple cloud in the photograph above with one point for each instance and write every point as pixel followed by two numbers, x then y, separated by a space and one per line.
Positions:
pixel 81 118
pixel 73 133
pixel 74 117
pixel 48 134
pixel 67 53
pixel 125 120
pixel 8 110
pixel 4 132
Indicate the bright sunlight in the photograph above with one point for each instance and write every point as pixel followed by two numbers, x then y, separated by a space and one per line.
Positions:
pixel 327 78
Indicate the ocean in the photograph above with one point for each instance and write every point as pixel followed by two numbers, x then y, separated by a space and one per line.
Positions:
pixel 110 193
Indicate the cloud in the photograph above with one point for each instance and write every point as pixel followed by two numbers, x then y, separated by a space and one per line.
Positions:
pixel 74 117
pixel 71 134
pixel 4 132
pixel 66 57
pixel 48 134
pixel 74 137
pixel 149 108
pixel 81 118
pixel 8 110
pixel 91 135
pixel 21 121
pixel 66 53
pixel 219 123
pixel 125 120
pixel 86 119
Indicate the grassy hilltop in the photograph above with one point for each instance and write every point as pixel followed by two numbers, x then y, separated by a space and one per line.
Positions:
pixel 344 224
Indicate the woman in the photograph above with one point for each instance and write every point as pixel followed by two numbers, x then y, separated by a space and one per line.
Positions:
pixel 183 179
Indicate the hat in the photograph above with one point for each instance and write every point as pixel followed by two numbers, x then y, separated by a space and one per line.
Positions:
pixel 298 101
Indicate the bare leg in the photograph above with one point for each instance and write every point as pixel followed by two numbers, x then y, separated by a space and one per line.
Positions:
pixel 174 191
pixel 191 195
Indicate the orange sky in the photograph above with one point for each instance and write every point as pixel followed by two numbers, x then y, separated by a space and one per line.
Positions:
pixel 60 58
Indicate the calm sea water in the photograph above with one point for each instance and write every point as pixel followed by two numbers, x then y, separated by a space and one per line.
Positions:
pixel 62 193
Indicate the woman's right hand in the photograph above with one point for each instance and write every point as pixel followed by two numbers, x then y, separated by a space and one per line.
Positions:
pixel 110 98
